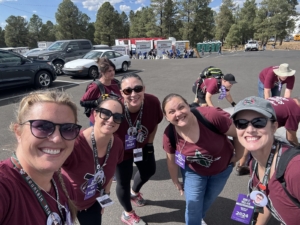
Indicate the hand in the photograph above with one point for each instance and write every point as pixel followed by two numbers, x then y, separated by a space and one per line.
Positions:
pixel 234 159
pixel 102 211
pixel 179 187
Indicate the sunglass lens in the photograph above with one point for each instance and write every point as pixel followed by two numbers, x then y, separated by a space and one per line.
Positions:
pixel 118 118
pixel 138 89
pixel 259 122
pixel 105 114
pixel 69 131
pixel 127 91
pixel 42 128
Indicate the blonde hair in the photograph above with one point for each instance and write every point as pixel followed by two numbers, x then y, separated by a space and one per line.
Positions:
pixel 51 96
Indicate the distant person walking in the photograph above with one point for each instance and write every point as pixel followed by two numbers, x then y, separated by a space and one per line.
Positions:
pixel 209 49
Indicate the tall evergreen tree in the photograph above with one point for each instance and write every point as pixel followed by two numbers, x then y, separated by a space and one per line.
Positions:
pixel 125 26
pixel 47 32
pixel 169 28
pixel 16 31
pixel 158 7
pixel 34 28
pixel 90 32
pixel 2 38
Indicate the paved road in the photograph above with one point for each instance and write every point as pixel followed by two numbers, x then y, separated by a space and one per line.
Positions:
pixel 161 77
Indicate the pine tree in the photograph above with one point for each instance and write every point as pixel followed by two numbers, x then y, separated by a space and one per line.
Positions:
pixel 16 31
pixel 2 38
pixel 34 28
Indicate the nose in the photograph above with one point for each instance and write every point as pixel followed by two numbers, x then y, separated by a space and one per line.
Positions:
pixel 111 119
pixel 250 128
pixel 56 136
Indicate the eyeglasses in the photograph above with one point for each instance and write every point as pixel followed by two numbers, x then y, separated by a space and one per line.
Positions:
pixel 106 114
pixel 44 128
pixel 256 123
pixel 136 89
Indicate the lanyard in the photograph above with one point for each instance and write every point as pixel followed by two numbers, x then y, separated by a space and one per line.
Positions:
pixel 127 116
pixel 95 151
pixel 182 138
pixel 35 188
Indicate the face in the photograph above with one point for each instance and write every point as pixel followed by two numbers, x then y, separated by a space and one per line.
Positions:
pixel 283 78
pixel 259 198
pixel 134 99
pixel 227 84
pixel 107 126
pixel 177 112
pixel 255 139
pixel 48 154
pixel 109 74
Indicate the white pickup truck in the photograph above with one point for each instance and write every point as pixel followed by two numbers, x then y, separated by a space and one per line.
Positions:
pixel 251 45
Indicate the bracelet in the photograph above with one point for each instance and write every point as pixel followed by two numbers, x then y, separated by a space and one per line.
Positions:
pixel 233 104
pixel 149 144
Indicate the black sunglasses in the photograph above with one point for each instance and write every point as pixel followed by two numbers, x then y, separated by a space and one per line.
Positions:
pixel 106 114
pixel 258 123
pixel 136 89
pixel 44 128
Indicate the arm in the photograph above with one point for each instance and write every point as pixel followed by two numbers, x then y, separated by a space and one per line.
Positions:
pixel 287 93
pixel 173 170
pixel 291 136
pixel 107 188
pixel 152 135
pixel 267 93
pixel 208 99
pixel 229 98
pixel 239 149
pixel 263 219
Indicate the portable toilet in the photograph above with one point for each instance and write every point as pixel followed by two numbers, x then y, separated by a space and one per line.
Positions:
pixel 163 46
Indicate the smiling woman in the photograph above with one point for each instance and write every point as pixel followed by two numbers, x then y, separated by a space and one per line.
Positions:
pixel 30 176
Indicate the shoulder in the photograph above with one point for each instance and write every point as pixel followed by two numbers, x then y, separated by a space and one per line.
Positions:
pixel 151 98
pixel 117 142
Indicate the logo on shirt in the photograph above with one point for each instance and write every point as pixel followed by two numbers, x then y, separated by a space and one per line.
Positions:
pixel 201 159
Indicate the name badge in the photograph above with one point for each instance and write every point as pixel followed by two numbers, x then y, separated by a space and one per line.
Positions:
pixel 137 154
pixel 105 201
pixel 243 209
pixel 90 189
pixel 259 198
pixel 180 159
pixel 54 218
pixel 130 142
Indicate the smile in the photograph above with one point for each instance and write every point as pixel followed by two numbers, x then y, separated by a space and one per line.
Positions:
pixel 252 138
pixel 51 151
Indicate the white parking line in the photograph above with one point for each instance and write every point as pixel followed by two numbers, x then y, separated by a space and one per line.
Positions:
pixel 65 81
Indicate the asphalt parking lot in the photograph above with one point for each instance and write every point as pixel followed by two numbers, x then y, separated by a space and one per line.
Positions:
pixel 161 77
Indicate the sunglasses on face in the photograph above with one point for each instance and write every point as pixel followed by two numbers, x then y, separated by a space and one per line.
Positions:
pixel 106 114
pixel 136 89
pixel 258 123
pixel 44 128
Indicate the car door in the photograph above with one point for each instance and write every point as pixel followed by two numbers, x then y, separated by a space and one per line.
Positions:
pixel 111 56
pixel 119 60
pixel 72 51
pixel 14 70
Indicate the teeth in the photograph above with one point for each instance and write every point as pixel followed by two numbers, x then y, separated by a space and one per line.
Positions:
pixel 252 138
pixel 51 151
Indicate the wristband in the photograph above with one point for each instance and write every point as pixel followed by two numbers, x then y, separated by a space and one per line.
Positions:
pixel 149 144
pixel 233 104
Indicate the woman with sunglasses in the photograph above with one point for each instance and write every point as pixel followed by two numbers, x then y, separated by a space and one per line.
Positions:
pixel 256 123
pixel 33 191
pixel 92 164
pixel 142 114
pixel 111 85
pixel 204 157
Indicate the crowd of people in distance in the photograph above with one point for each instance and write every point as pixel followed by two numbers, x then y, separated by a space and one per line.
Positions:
pixel 59 173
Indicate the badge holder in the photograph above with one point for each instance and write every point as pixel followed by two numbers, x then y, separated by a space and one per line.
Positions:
pixel 180 159
pixel 137 154
pixel 130 142
pixel 54 219
pixel 105 201
pixel 243 209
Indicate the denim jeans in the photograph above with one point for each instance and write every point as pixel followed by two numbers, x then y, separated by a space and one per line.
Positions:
pixel 201 192
pixel 274 90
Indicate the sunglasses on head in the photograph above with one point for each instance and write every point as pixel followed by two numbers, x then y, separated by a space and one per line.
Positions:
pixel 136 89
pixel 44 128
pixel 258 123
pixel 106 114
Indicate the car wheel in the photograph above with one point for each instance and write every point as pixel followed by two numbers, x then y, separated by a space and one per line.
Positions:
pixel 93 72
pixel 124 66
pixel 43 79
pixel 58 64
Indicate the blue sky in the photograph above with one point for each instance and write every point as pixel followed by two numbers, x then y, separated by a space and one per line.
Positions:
pixel 46 9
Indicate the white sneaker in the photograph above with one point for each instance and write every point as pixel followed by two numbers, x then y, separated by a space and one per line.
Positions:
pixel 203 222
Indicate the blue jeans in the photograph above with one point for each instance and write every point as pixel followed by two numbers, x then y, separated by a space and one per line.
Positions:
pixel 201 192
pixel 261 87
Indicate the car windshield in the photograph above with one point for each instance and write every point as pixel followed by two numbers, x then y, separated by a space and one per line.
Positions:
pixel 92 55
pixel 58 45
pixel 252 42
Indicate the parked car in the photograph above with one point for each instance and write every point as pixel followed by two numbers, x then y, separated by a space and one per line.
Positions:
pixel 33 50
pixel 16 70
pixel 63 51
pixel 87 66
pixel 251 45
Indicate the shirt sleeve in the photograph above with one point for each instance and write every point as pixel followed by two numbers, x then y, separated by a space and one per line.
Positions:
pixel 211 86
pixel 291 176
pixel 269 79
pixel 92 93
pixel 290 82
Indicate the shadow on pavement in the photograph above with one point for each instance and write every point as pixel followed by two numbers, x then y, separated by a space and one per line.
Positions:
pixel 175 215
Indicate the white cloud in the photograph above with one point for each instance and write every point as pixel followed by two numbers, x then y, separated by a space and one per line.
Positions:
pixel 217 8
pixel 25 17
pixel 125 8
pixel 138 9
pixel 94 5
pixel 34 11
pixel 8 0
pixel 139 1
pixel 3 24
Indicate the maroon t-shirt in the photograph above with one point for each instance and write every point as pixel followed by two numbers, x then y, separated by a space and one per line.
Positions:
pixel 81 162
pixel 152 116
pixel 93 93
pixel 210 85
pixel 282 208
pixel 270 79
pixel 18 203
pixel 214 148
pixel 287 112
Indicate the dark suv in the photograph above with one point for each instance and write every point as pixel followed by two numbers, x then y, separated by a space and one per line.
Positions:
pixel 63 51
pixel 16 70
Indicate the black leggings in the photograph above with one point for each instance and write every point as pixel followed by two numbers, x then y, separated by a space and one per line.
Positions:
pixel 146 169
pixel 91 216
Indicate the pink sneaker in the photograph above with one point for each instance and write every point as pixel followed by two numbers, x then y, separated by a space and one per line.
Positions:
pixel 138 200
pixel 132 219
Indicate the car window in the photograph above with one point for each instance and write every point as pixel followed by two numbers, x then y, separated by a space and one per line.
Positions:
pixel 117 54
pixel 109 55
pixel 92 55
pixel 9 59
pixel 73 45
pixel 57 46
pixel 85 45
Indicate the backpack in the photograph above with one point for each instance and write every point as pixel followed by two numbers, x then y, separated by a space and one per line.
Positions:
pixel 200 118
pixel 90 104
pixel 208 72
pixel 284 160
